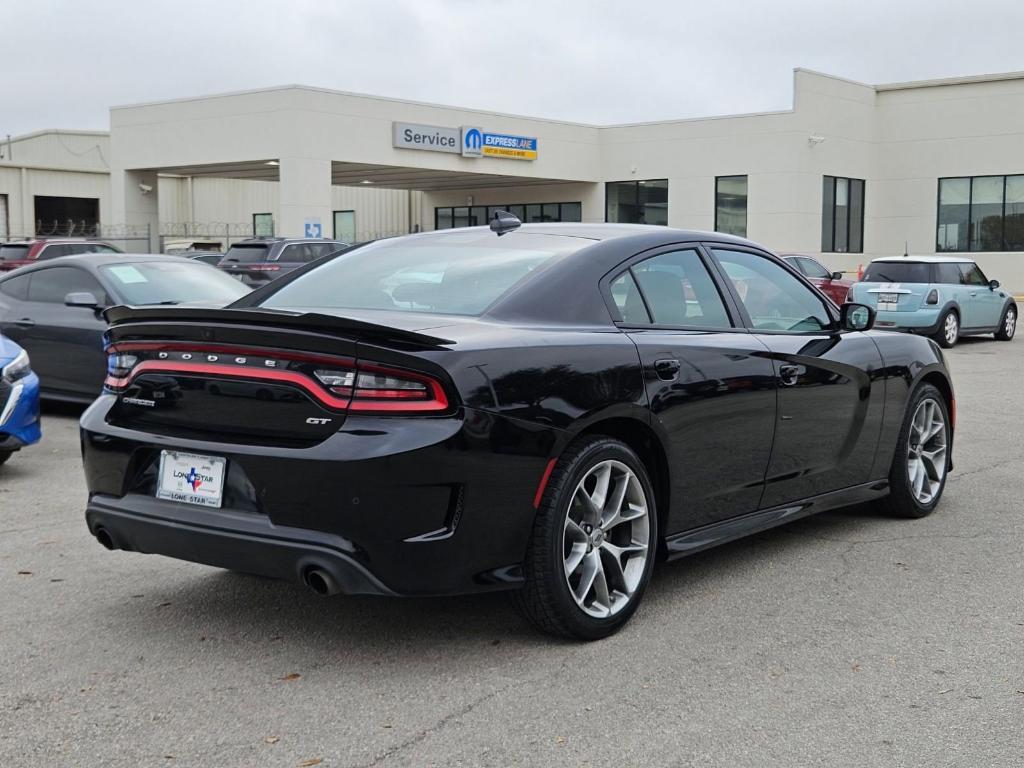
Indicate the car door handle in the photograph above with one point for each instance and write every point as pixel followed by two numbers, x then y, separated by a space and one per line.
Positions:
pixel 667 369
pixel 25 322
pixel 789 375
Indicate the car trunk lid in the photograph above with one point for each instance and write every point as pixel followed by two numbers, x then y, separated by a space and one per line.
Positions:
pixel 259 376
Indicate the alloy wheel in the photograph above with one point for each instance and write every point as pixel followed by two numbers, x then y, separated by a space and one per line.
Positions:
pixel 606 539
pixel 926 451
pixel 1010 323
pixel 951 328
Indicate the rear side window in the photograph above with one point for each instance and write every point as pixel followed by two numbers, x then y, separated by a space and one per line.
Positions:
pixel 300 253
pixel 628 300
pixel 16 287
pixel 56 251
pixel 676 289
pixel 947 274
pixel 52 285
pixel 13 252
pixel 898 272
pixel 247 254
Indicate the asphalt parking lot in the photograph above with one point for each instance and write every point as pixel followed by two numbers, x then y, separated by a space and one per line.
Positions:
pixel 843 640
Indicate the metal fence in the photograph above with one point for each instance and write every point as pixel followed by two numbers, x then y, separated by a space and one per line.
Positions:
pixel 128 238
pixel 223 234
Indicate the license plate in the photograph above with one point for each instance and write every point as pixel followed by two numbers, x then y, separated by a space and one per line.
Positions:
pixel 191 478
pixel 888 298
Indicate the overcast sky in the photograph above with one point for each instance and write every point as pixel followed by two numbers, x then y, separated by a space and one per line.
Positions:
pixel 65 62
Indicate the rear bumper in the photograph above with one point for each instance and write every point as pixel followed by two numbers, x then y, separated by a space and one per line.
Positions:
pixel 224 539
pixel 431 506
pixel 922 321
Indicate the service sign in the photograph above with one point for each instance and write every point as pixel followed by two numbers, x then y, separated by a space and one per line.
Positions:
pixel 432 138
pixel 479 143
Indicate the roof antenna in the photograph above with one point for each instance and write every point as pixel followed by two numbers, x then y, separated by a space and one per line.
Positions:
pixel 503 222
pixel 906 248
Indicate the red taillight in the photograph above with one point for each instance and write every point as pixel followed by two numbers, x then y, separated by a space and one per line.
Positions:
pixel 338 383
pixel 263 267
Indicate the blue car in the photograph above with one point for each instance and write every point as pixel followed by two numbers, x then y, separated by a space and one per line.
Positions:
pixel 944 297
pixel 19 400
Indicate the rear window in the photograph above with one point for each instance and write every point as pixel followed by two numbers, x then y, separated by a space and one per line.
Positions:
pixel 13 252
pixel 171 282
pixel 247 254
pixel 458 274
pixel 898 272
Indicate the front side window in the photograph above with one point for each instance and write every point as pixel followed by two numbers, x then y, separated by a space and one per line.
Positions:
pixel 731 205
pixel 842 215
pixel 971 275
pixel 637 202
pixel 981 213
pixel 773 297
pixel 53 285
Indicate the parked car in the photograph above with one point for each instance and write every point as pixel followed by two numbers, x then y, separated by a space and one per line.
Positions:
pixel 549 417
pixel 23 253
pixel 19 400
pixel 188 246
pixel 54 309
pixel 832 284
pixel 258 261
pixel 205 257
pixel 944 297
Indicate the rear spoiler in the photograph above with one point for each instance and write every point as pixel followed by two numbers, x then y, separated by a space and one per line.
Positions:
pixel 306 321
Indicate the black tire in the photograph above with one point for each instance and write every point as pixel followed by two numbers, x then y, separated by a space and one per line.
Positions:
pixel 902 501
pixel 5 455
pixel 942 338
pixel 545 599
pixel 1007 324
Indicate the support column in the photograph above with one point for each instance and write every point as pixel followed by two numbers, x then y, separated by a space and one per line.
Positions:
pixel 135 205
pixel 304 197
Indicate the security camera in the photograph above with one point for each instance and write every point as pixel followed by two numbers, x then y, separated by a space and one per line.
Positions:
pixel 145 189
pixel 814 140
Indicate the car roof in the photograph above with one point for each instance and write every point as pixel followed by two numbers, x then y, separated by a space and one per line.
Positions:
pixel 272 240
pixel 925 259
pixel 92 260
pixel 600 232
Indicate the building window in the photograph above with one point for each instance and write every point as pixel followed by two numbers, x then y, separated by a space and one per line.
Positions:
pixel 479 215
pixel 981 213
pixel 67 216
pixel 345 226
pixel 637 202
pixel 731 205
pixel 842 215
pixel 263 225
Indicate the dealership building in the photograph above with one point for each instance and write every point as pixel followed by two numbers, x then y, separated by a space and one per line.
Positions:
pixel 850 172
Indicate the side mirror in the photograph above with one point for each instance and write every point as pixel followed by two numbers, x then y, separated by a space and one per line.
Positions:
pixel 81 299
pixel 993 284
pixel 856 317
pixel 837 275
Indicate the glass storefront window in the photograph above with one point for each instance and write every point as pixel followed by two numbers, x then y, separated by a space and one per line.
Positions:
pixel 479 215
pixel 637 202
pixel 980 213
pixel 842 215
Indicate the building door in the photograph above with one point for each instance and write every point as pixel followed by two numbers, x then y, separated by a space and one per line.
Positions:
pixel 345 226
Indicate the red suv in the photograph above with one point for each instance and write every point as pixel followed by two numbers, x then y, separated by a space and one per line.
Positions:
pixel 14 255
pixel 832 284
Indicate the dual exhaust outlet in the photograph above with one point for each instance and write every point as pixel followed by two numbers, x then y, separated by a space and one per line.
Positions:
pixel 318 580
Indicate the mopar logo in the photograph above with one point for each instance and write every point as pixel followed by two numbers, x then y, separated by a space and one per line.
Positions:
pixel 139 401
pixel 472 142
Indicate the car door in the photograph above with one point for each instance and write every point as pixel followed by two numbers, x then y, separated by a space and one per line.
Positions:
pixel 830 382
pixel 981 306
pixel 65 343
pixel 709 383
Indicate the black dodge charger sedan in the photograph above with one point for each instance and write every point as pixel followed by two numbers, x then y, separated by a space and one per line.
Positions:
pixel 544 408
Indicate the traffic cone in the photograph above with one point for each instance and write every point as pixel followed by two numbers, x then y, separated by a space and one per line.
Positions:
pixel 860 272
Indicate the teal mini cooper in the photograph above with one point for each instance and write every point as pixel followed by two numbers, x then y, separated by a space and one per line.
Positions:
pixel 944 297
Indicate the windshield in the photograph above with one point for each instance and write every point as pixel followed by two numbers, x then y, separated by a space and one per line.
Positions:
pixel 171 282
pixel 897 272
pixel 457 274
pixel 13 252
pixel 247 254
